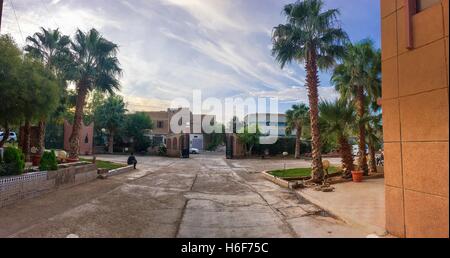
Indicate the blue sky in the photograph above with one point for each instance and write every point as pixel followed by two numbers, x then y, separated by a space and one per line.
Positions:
pixel 170 47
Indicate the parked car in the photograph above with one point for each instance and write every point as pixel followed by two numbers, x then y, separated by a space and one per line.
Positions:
pixel 12 136
pixel 194 151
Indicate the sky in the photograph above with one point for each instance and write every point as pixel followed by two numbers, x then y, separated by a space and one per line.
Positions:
pixel 168 48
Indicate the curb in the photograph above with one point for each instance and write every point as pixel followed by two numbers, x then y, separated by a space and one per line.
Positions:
pixel 281 182
pixel 103 175
pixel 119 171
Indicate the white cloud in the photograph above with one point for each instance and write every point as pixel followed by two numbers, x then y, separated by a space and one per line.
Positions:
pixel 297 94
pixel 170 47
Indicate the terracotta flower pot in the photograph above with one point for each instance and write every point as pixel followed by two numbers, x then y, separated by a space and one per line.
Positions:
pixel 70 160
pixel 36 160
pixel 357 176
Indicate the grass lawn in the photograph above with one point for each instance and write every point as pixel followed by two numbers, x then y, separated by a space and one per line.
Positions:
pixel 105 164
pixel 298 172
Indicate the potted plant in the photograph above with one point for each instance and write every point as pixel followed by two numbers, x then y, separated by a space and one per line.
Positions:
pixel 35 157
pixel 72 160
pixel 357 175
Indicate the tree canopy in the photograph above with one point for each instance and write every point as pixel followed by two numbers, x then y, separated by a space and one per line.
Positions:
pixel 10 60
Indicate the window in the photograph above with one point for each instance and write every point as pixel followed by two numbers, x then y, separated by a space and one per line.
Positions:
pixel 424 4
pixel 160 124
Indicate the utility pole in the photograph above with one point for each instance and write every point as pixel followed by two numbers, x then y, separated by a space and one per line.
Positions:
pixel 1 13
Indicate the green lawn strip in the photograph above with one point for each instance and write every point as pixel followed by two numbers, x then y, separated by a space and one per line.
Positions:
pixel 105 164
pixel 298 172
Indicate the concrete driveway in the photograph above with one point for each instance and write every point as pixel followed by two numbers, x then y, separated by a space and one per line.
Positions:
pixel 205 196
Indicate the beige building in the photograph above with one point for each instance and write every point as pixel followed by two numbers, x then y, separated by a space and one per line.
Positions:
pixel 415 115
pixel 162 130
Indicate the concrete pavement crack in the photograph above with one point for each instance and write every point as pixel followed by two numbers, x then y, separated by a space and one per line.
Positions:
pixel 177 231
pixel 283 220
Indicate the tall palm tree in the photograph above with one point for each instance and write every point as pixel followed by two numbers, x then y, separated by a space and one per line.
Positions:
pixel 52 49
pixel 359 78
pixel 95 66
pixel 337 120
pixel 296 119
pixel 314 37
pixel 374 130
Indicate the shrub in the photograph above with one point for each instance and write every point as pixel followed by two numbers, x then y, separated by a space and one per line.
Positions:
pixel 212 147
pixel 162 151
pixel 49 162
pixel 13 163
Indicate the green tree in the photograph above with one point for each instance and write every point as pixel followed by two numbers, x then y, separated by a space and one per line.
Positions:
pixel 52 49
pixel 297 118
pixel 134 129
pixel 95 66
pixel 312 36
pixel 359 78
pixel 38 95
pixel 111 116
pixel 10 60
pixel 249 137
pixel 217 138
pixel 337 120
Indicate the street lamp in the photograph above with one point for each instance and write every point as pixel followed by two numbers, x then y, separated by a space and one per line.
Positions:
pixel 285 154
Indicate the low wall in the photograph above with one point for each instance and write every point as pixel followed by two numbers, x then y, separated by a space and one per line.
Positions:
pixel 120 171
pixel 16 188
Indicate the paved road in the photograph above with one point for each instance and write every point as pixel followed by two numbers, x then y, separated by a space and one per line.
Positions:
pixel 205 196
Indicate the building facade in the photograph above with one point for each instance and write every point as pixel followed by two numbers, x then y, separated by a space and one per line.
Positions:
pixel 415 100
pixel 269 122
pixel 198 138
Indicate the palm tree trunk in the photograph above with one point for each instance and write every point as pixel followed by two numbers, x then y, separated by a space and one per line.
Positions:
pixel 298 143
pixel 362 156
pixel 111 143
pixel 347 157
pixel 74 140
pixel 26 140
pixel 41 139
pixel 312 81
pixel 372 159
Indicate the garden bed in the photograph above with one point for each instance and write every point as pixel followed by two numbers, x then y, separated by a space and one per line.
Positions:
pixel 293 178
pixel 106 165
pixel 16 188
pixel 300 173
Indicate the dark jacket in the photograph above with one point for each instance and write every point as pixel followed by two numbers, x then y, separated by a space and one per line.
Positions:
pixel 132 160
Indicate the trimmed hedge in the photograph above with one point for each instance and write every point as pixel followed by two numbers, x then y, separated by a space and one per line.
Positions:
pixel 284 144
pixel 13 163
pixel 49 162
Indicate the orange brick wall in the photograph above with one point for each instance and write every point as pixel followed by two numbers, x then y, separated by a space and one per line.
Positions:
pixel 415 116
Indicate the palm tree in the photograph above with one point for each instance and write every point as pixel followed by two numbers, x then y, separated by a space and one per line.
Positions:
pixel 111 116
pixel 312 36
pixel 297 118
pixel 357 78
pixel 374 130
pixel 52 49
pixel 337 119
pixel 95 66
